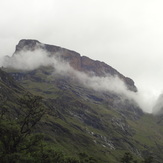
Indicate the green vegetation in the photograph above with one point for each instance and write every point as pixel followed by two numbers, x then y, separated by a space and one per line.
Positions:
pixel 128 158
pixel 19 140
pixel 73 123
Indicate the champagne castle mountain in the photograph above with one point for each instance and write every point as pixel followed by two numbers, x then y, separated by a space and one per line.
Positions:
pixel 80 119
pixel 78 62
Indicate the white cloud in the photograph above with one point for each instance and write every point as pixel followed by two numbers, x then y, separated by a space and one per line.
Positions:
pixel 27 60
pixel 30 60
pixel 158 107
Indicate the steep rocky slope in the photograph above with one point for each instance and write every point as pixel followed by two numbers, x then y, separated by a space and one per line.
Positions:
pixel 78 62
pixel 9 88
pixel 81 119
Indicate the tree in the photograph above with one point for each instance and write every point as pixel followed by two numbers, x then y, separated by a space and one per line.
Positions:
pixel 84 158
pixel 128 158
pixel 32 110
pixel 19 141
pixel 148 159
pixel 16 140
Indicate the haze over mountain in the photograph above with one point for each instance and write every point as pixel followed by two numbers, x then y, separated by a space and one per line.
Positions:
pixel 31 54
pixel 127 35
pixel 93 94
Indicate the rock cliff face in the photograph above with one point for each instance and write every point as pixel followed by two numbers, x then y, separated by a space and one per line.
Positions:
pixel 78 62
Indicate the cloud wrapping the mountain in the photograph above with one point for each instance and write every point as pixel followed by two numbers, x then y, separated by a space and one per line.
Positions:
pixel 158 107
pixel 27 60
pixel 30 60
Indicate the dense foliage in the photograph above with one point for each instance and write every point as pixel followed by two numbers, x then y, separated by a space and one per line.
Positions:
pixel 128 158
pixel 70 123
pixel 18 140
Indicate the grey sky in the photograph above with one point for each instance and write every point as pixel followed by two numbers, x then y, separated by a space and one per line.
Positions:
pixel 128 34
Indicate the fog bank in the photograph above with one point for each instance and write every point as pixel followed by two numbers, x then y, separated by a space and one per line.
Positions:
pixel 29 60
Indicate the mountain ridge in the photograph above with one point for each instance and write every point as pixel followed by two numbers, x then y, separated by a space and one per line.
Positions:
pixel 81 119
pixel 78 62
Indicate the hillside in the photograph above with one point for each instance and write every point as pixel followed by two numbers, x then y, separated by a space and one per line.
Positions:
pixel 102 123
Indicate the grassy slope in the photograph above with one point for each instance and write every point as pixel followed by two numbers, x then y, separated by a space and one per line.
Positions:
pixel 79 121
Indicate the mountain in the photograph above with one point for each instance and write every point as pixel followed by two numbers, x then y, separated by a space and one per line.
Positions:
pixel 82 119
pixel 78 62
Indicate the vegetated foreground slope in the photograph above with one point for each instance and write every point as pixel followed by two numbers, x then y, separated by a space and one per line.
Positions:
pixel 82 119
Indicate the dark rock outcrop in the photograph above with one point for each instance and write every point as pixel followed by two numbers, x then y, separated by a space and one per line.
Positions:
pixel 78 62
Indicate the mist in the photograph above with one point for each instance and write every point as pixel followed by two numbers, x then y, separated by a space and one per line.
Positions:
pixel 29 60
pixel 158 106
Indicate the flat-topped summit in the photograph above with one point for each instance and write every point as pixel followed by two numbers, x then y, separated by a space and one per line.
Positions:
pixel 78 62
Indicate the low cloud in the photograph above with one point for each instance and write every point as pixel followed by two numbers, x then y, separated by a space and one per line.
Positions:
pixel 158 107
pixel 29 60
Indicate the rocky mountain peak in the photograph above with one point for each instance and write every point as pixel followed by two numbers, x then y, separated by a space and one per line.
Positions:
pixel 78 62
pixel 27 45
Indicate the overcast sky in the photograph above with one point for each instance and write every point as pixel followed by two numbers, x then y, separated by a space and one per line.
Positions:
pixel 126 34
